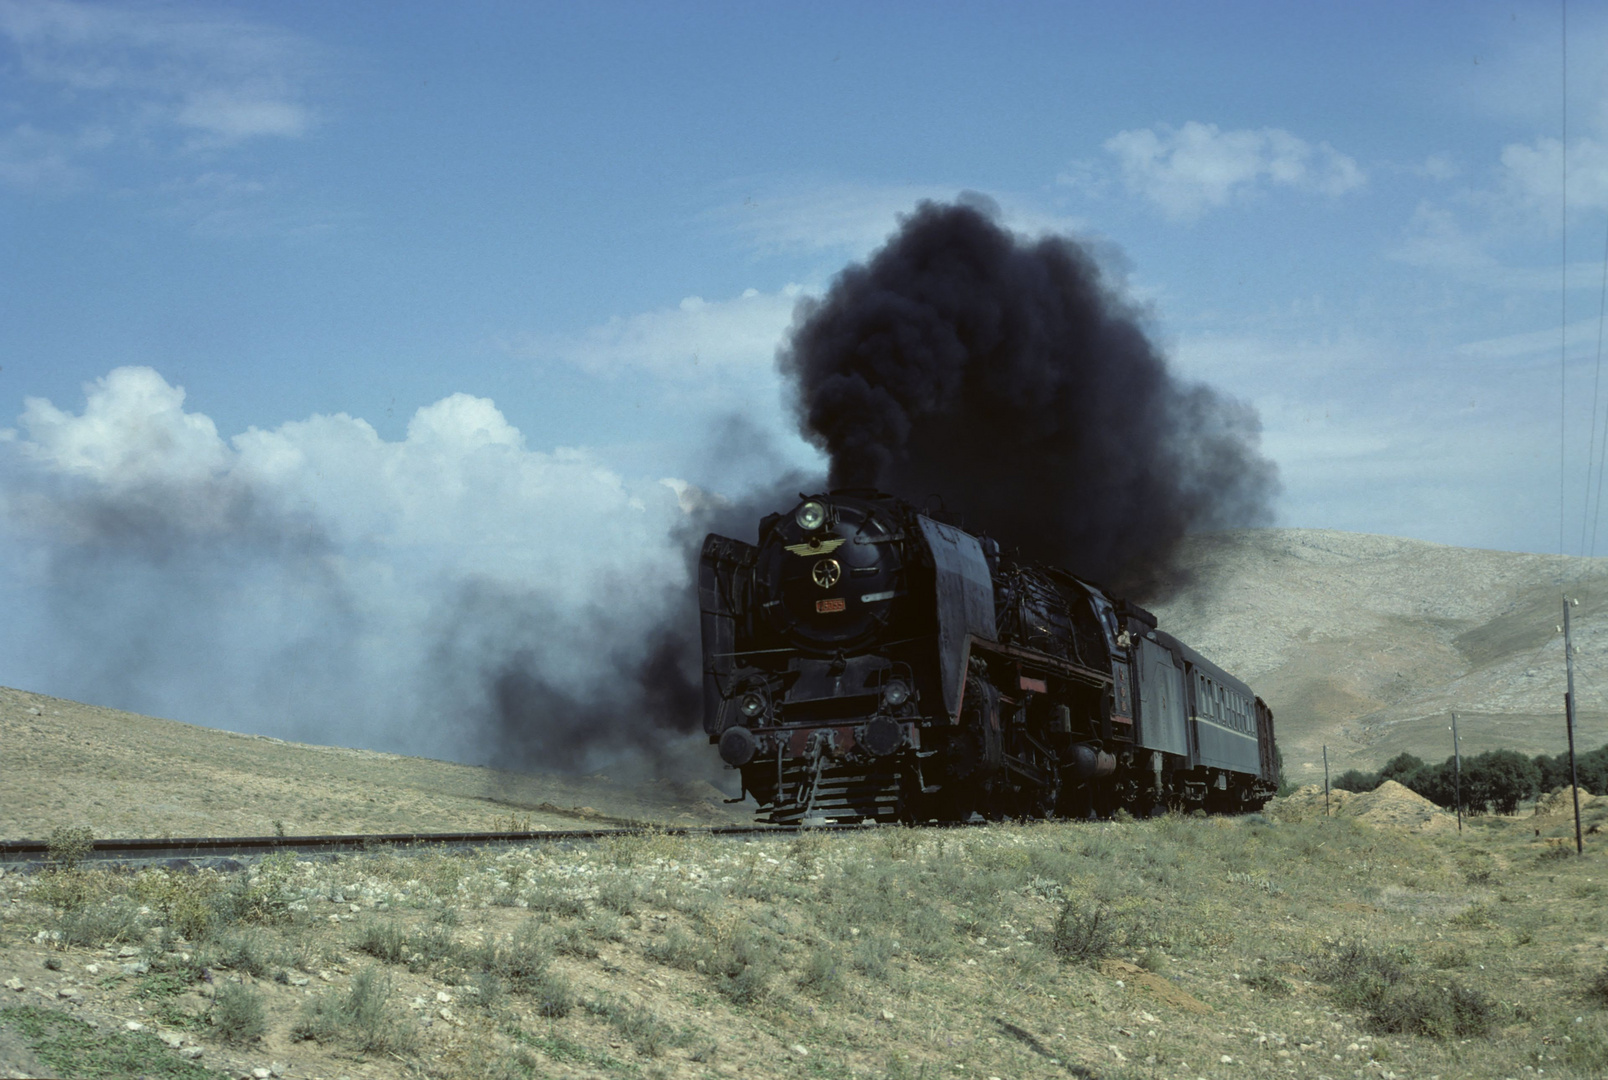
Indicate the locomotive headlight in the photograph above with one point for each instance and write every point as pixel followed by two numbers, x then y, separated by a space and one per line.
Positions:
pixel 895 694
pixel 810 516
pixel 752 705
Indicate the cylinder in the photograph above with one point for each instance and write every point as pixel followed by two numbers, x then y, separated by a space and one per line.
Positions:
pixel 1089 763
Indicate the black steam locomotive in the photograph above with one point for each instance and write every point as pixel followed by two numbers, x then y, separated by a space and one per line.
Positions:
pixel 869 662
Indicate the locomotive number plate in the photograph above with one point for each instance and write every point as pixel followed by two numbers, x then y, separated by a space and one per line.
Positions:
pixel 823 607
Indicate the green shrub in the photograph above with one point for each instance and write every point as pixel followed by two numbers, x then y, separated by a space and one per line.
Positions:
pixel 742 967
pixel 619 895
pixel 69 845
pixel 1085 931
pixel 360 1018
pixel 1267 983
pixel 106 923
pixel 246 951
pixel 1439 1012
pixel 822 975
pixel 1360 975
pixel 645 1030
pixel 237 1014
pixel 676 948
pixel 383 940
pixel 1597 989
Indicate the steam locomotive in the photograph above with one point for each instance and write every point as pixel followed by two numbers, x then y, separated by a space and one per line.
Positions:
pixel 868 661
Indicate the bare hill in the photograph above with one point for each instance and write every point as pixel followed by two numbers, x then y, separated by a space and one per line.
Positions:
pixel 1368 643
pixel 121 774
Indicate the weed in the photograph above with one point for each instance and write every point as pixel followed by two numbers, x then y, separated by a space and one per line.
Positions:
pixel 1267 983
pixel 247 951
pixel 1450 956
pixel 1471 917
pixel 742 967
pixel 361 1017
pixel 1084 932
pixel 572 941
pixel 71 1047
pixel 553 902
pixel 1556 849
pixel 237 1014
pixel 1597 989
pixel 821 975
pixel 383 940
pixel 605 926
pixel 643 1027
pixel 68 846
pixel 619 895
pixel 560 1049
pixel 1361 974
pixel 1440 1012
pixel 677 949
pixel 108 922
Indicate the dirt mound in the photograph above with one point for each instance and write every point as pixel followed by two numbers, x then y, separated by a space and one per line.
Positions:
pixel 1393 804
pixel 1561 802
pixel 1388 804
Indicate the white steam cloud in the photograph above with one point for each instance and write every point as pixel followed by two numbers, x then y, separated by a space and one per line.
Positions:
pixel 317 582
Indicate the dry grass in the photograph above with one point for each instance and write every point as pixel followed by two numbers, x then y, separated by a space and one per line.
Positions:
pixel 1158 949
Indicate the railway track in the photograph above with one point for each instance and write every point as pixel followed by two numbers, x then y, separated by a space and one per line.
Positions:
pixel 232 851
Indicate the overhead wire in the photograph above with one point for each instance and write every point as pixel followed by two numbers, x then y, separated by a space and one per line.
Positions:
pixel 1602 452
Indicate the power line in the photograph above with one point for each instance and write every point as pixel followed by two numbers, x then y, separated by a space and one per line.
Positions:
pixel 1563 287
pixel 1602 454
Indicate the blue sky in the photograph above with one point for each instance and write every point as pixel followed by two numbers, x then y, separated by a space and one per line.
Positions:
pixel 577 233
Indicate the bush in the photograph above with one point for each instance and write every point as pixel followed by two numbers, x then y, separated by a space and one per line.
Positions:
pixel 1361 975
pixel 106 923
pixel 361 1017
pixel 68 846
pixel 1354 780
pixel 382 940
pixel 246 952
pixel 742 968
pixel 1597 989
pixel 1439 1012
pixel 237 1013
pixel 649 1034
pixel 1084 931
pixel 821 975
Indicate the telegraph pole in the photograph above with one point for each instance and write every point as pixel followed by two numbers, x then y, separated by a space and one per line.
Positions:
pixel 1457 782
pixel 1325 781
pixel 1569 716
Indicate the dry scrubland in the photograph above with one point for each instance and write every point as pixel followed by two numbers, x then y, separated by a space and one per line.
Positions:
pixel 1285 944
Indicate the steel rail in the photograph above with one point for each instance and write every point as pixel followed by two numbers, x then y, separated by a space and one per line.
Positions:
pixel 35 854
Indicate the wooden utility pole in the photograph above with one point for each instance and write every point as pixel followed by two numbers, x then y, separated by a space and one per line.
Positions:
pixel 1569 716
pixel 1457 783
pixel 1325 781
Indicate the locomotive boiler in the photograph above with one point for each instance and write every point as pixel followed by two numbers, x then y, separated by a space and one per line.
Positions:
pixel 868 661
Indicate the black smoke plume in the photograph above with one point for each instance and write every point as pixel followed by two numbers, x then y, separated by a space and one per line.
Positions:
pixel 1009 378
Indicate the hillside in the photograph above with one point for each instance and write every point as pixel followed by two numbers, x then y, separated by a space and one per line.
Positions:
pixel 1368 643
pixel 121 774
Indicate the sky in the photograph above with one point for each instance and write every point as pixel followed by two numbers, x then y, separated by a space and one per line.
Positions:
pixel 314 315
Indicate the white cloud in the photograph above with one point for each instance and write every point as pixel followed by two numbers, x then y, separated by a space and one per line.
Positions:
pixel 1532 173
pixel 169 76
pixel 1189 170
pixel 694 341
